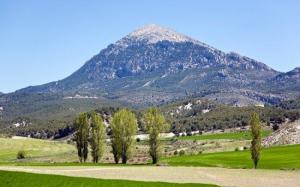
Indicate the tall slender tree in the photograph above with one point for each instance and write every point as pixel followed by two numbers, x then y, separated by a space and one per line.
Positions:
pixel 154 123
pixel 97 137
pixel 124 127
pixel 81 136
pixel 256 138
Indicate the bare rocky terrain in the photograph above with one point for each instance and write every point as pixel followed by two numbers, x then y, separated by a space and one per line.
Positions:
pixel 289 133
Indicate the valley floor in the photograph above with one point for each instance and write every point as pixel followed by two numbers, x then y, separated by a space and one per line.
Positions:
pixel 218 176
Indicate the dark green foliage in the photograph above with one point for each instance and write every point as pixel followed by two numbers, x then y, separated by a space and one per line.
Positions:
pixel 21 154
pixel 81 136
pixel 175 152
pixel 290 104
pixel 256 138
pixel 46 113
pixel 181 152
pixel 221 116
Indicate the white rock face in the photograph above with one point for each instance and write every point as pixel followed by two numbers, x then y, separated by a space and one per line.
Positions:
pixel 155 33
pixel 205 111
pixel 16 124
pixel 289 133
pixel 77 96
pixel 188 106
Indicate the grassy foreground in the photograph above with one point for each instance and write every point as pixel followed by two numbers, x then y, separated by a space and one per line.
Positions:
pixel 36 150
pixel 231 136
pixel 20 179
pixel 281 157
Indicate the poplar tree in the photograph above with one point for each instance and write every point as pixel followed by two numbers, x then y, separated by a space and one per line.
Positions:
pixel 97 139
pixel 256 138
pixel 154 123
pixel 124 127
pixel 81 136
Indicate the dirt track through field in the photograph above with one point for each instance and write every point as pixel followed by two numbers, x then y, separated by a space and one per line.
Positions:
pixel 219 176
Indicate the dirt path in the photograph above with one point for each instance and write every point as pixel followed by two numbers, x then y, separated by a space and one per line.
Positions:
pixel 219 176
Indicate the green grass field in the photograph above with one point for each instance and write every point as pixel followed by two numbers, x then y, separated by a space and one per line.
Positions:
pixel 36 150
pixel 231 136
pixel 20 179
pixel 282 157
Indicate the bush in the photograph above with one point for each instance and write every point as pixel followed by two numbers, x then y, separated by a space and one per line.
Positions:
pixel 176 152
pixel 181 152
pixel 21 154
pixel 275 127
pixel 236 149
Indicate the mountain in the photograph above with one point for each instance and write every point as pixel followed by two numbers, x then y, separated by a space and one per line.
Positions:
pixel 288 81
pixel 162 63
pixel 155 65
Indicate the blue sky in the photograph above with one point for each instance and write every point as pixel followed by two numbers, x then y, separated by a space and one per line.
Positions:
pixel 47 40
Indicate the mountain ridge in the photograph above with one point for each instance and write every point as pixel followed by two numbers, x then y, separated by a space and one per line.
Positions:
pixel 154 65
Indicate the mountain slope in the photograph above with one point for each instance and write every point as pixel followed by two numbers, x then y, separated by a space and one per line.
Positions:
pixel 288 81
pixel 160 61
pixel 154 65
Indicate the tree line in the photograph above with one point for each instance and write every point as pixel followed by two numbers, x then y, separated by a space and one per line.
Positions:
pixel 90 130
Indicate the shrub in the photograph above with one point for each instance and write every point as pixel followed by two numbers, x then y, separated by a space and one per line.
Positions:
pixel 21 154
pixel 236 149
pixel 181 152
pixel 176 152
pixel 275 127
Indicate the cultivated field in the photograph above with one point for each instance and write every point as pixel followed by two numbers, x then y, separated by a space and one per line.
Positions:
pixel 211 175
pixel 281 157
pixel 208 159
pixel 219 136
pixel 19 179
pixel 36 150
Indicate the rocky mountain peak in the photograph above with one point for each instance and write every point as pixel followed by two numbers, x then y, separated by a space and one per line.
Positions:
pixel 153 33
pixel 155 64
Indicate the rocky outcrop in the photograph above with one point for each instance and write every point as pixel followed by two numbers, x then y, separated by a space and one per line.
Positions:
pixel 289 133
